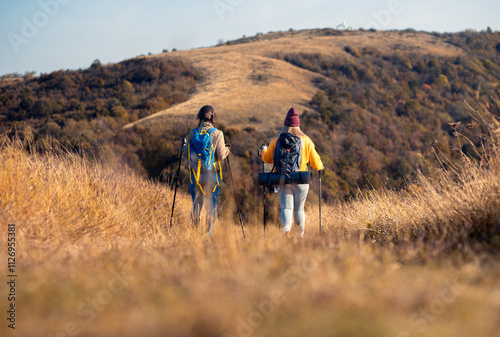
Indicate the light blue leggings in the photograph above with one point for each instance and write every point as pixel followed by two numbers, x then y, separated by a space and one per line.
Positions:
pixel 292 199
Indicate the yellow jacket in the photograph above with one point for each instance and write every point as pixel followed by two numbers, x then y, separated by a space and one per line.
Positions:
pixel 308 156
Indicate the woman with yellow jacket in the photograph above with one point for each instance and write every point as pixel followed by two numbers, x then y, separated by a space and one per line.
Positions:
pixel 292 197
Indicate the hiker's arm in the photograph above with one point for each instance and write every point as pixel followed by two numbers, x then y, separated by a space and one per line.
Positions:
pixel 184 148
pixel 267 154
pixel 221 150
pixel 314 159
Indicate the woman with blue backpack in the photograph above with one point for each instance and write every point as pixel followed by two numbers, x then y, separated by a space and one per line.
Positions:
pixel 291 151
pixel 205 148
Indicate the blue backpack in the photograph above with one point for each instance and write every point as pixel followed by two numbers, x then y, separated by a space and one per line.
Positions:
pixel 201 154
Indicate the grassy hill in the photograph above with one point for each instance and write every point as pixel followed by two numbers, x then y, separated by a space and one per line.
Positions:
pixel 417 257
pixel 247 80
pixel 376 104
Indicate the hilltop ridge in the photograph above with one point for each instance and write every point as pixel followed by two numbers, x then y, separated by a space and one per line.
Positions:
pixel 248 83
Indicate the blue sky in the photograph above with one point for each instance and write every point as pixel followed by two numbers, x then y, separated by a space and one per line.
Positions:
pixel 47 35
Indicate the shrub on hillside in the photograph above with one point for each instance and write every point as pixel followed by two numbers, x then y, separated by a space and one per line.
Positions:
pixel 353 51
pixel 88 105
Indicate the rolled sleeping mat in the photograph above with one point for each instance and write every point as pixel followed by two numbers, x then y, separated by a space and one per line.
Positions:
pixel 275 178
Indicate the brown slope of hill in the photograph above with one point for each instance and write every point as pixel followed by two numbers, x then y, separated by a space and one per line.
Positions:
pixel 248 85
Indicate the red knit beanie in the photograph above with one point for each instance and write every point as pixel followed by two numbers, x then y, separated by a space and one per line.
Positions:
pixel 292 118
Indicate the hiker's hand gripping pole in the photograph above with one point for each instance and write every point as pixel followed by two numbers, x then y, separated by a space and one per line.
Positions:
pixel 261 149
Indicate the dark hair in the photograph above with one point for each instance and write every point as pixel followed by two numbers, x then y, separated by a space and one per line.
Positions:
pixel 206 114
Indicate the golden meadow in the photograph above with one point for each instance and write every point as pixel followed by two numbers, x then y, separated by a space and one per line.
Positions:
pixel 96 256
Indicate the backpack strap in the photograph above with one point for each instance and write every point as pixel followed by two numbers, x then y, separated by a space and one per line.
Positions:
pixel 210 131
pixel 220 170
pixel 197 175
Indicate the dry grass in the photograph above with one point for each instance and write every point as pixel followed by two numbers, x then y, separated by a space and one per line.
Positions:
pixel 453 209
pixel 96 257
pixel 65 198
pixel 443 213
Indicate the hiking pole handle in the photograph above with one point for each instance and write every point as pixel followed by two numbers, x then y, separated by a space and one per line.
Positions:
pixel 182 143
pixel 262 148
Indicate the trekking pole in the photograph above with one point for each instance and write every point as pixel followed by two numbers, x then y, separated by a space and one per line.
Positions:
pixel 235 196
pixel 320 172
pixel 264 197
pixel 259 153
pixel 177 181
